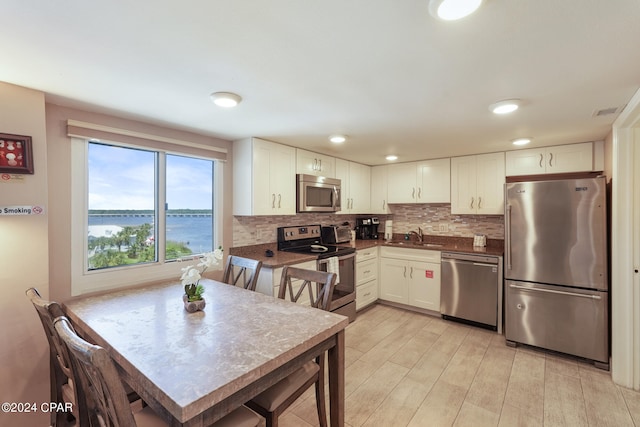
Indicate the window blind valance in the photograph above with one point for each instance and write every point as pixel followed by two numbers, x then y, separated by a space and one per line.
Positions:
pixel 78 129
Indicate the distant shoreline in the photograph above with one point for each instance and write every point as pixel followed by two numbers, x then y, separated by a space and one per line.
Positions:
pixel 146 212
pixel 149 213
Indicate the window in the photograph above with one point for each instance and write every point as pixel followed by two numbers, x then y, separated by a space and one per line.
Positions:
pixel 141 209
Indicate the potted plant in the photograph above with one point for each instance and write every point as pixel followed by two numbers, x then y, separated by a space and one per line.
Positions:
pixel 191 275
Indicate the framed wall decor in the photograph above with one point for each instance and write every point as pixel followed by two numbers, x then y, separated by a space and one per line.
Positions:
pixel 16 155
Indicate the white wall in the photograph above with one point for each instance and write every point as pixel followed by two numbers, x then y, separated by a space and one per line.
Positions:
pixel 625 248
pixel 24 262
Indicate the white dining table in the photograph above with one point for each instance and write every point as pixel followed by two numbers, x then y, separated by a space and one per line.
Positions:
pixel 194 368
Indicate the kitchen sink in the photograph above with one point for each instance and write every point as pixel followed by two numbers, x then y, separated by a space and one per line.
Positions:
pixel 411 243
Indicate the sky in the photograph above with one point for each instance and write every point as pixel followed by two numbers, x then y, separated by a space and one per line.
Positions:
pixel 123 178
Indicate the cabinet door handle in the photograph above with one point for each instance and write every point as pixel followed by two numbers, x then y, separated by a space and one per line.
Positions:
pixel 472 201
pixel 405 271
pixel 367 294
pixel 541 158
pixel 413 193
pixel 366 272
pixel 273 201
pixel 550 159
pixel 320 164
pixel 419 192
pixel 479 202
pixel 411 273
pixel 315 164
pixel 279 200
pixel 384 204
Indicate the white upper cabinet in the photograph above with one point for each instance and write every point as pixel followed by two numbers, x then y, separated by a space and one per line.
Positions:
pixel 402 183
pixel 477 184
pixel 263 178
pixel 427 181
pixel 558 159
pixel 355 187
pixel 310 163
pixel 434 179
pixel 379 185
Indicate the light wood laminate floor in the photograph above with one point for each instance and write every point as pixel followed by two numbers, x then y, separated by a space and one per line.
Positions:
pixel 411 369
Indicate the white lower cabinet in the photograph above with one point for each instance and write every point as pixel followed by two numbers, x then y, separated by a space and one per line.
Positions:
pixel 366 277
pixel 269 281
pixel 410 277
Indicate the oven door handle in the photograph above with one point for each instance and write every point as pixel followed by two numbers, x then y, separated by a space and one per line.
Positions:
pixel 340 258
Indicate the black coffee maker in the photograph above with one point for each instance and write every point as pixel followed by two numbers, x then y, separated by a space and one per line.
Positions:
pixel 367 228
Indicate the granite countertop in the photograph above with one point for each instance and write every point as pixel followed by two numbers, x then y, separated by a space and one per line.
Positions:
pixel 495 247
pixel 279 258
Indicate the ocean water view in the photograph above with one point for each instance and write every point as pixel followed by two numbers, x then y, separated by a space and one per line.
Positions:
pixel 195 231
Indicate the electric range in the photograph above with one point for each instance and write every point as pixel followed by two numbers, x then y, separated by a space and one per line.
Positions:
pixel 307 239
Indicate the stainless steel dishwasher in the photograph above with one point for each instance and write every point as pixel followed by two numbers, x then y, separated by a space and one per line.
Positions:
pixel 471 289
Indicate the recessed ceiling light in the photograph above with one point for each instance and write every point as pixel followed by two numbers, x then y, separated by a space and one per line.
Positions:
pixel 225 99
pixel 391 157
pixel 450 10
pixel 337 139
pixel 505 106
pixel 521 141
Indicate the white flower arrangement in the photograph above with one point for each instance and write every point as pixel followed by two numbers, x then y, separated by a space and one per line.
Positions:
pixel 192 274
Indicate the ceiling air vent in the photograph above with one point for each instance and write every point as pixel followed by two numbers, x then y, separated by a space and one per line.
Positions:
pixel 607 111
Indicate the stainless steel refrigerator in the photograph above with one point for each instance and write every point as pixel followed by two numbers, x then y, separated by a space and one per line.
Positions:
pixel 556 281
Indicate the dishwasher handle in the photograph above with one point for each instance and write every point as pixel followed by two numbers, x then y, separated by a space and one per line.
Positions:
pixel 464 257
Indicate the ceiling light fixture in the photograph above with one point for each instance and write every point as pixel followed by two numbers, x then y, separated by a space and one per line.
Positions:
pixel 521 141
pixel 391 157
pixel 505 106
pixel 337 139
pixel 450 10
pixel 225 99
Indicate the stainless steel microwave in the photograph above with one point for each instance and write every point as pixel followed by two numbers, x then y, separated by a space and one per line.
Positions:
pixel 317 193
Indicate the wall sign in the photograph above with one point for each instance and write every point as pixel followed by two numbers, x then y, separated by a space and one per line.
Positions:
pixel 11 178
pixel 21 210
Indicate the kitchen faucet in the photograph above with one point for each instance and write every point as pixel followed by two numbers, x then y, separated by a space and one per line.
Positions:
pixel 418 234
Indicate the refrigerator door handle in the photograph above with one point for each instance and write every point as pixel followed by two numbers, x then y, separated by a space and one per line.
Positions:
pixel 551 291
pixel 507 231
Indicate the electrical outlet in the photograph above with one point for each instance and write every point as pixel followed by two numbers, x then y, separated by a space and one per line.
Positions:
pixel 443 227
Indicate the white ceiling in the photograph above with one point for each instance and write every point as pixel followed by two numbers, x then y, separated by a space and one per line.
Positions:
pixel 385 73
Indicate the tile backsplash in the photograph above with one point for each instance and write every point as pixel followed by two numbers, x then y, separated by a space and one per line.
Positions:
pixel 430 217
pixel 253 230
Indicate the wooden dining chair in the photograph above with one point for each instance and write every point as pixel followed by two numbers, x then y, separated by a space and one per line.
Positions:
pixel 101 390
pixel 318 286
pixel 61 375
pixel 246 268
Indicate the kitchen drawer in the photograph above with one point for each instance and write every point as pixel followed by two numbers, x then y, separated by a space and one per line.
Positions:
pixel 366 294
pixel 366 270
pixel 366 254
pixel 406 254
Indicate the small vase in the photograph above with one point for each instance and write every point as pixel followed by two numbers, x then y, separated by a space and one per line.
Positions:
pixel 193 306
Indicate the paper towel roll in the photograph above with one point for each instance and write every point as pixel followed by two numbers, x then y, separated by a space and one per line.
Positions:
pixel 388 229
